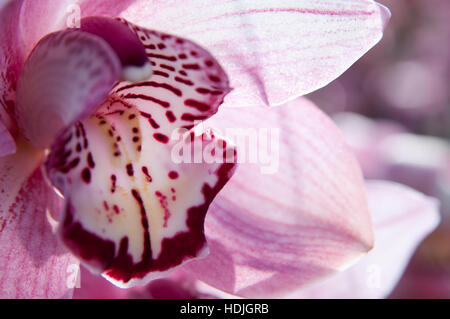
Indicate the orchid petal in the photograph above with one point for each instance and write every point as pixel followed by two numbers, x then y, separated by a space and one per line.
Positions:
pixel 33 264
pixel 7 144
pixel 22 24
pixel 273 51
pixel 402 218
pixel 275 228
pixel 40 17
pixel 135 209
pixel 177 285
pixel 10 61
pixel 66 77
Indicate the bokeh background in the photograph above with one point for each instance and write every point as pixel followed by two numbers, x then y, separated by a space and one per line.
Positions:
pixel 393 107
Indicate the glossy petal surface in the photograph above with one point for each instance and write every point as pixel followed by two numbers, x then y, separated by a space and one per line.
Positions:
pixel 273 51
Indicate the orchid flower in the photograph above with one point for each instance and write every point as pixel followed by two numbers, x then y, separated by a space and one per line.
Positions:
pixel 90 112
pixel 401 218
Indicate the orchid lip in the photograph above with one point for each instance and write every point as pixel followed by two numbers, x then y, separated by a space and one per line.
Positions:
pixel 131 213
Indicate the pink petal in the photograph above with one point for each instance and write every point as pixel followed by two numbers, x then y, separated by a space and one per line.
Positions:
pixel 366 137
pixel 273 51
pixel 278 227
pixel 111 8
pixel 10 60
pixel 133 211
pixel 65 78
pixel 33 264
pixel 23 23
pixel 40 17
pixel 7 144
pixel 402 218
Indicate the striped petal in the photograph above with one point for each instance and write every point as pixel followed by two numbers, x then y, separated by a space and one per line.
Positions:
pixel 295 213
pixel 33 263
pixel 187 84
pixel 273 51
pixel 134 204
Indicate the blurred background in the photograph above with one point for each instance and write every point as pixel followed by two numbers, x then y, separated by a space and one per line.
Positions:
pixel 393 107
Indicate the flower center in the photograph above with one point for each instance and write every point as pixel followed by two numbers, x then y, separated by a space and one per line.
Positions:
pixel 69 73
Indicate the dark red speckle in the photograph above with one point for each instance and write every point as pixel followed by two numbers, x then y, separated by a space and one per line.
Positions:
pixel 161 138
pixel 193 66
pixel 173 175
pixel 146 173
pixel 170 116
pixel 90 160
pixel 164 206
pixel 130 170
pixel 202 107
pixel 86 175
pixel 113 183
pixel 214 78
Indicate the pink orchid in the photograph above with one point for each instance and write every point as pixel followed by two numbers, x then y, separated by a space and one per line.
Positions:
pixel 83 101
pixel 245 267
